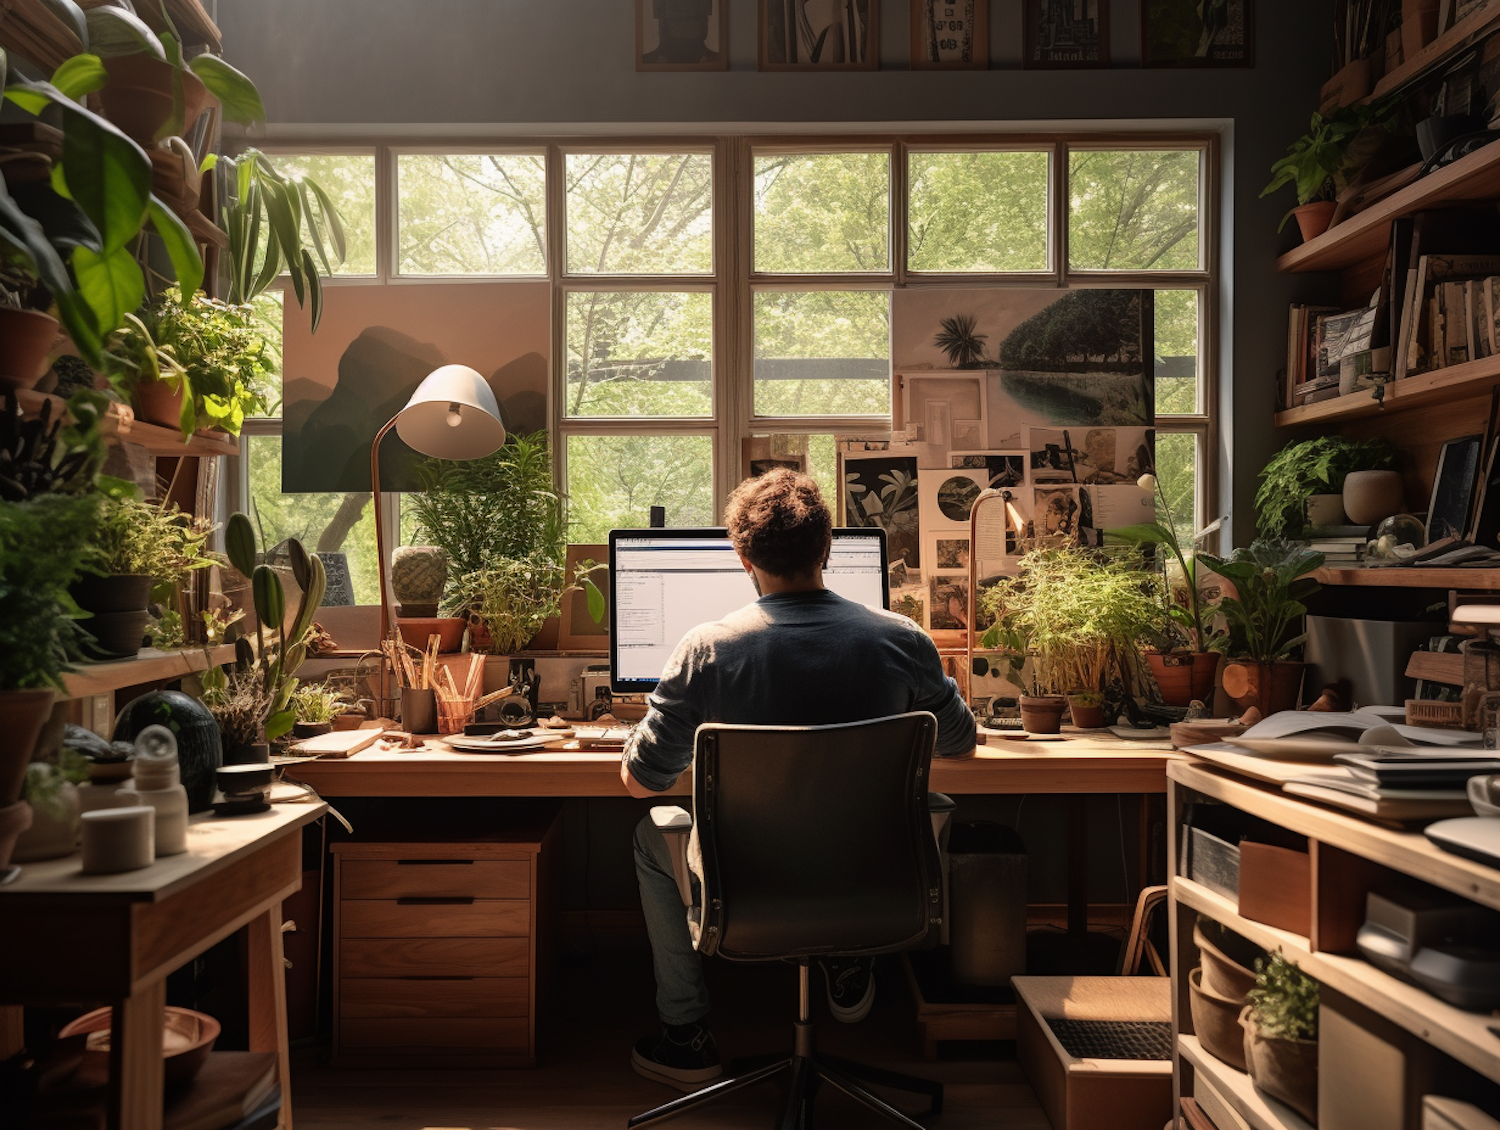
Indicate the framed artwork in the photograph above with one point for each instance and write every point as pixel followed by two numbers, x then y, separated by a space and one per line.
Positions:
pixel 1187 33
pixel 950 35
pixel 1066 33
pixel 576 628
pixel 819 35
pixel 759 454
pixel 1453 487
pixel 680 35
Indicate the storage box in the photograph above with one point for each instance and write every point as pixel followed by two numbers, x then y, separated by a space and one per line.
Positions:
pixel 1276 886
pixel 1209 845
pixel 1372 1075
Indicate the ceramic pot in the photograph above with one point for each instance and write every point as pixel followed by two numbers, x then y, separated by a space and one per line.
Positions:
pixel 1223 975
pixel 418 711
pixel 157 403
pixel 26 337
pixel 1086 715
pixel 138 96
pixel 1216 1022
pixel 310 729
pixel 1287 1070
pixel 448 629
pixel 252 753
pixel 1270 687
pixel 1182 678
pixel 1042 714
pixel 118 607
pixel 1326 510
pixel 1314 219
pixel 1370 496
pixel 418 574
pixel 14 819
pixel 187 1039
pixel 54 828
pixel 22 716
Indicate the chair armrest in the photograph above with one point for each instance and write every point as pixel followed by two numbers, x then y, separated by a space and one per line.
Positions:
pixel 674 824
pixel 940 807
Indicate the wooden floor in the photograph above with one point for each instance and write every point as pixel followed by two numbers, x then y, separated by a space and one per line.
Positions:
pixel 584 1081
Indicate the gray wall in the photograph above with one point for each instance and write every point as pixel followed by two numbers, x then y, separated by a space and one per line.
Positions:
pixel 493 65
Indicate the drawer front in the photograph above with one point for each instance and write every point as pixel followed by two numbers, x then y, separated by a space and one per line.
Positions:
pixel 462 996
pixel 430 1037
pixel 490 918
pixel 393 879
pixel 435 957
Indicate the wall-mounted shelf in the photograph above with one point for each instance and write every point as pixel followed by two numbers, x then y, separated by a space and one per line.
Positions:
pixel 1414 577
pixel 1453 382
pixel 121 424
pixel 1459 36
pixel 150 666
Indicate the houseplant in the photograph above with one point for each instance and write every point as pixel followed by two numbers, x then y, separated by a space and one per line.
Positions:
pixel 1317 165
pixel 1271 582
pixel 1183 673
pixel 1281 1034
pixel 1307 467
pixel 510 599
pixel 51 789
pixel 316 706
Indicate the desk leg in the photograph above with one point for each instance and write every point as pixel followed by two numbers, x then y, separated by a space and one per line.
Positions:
pixel 1078 865
pixel 267 986
pixel 12 1030
pixel 135 1065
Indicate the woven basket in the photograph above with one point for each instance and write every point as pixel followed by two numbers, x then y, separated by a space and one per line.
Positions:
pixel 1429 712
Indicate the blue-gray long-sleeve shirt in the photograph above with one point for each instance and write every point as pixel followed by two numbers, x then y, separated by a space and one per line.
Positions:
pixel 794 659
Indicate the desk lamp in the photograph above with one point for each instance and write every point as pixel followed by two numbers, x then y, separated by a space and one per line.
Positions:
pixel 1012 518
pixel 452 415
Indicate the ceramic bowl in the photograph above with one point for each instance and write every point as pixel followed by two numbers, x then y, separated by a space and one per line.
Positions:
pixel 186 1039
pixel 1216 1022
pixel 1484 794
pixel 1223 975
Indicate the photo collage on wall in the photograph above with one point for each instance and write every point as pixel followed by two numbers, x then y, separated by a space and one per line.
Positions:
pixel 1059 415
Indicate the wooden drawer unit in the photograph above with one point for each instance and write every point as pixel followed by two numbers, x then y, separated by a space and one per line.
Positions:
pixel 436 950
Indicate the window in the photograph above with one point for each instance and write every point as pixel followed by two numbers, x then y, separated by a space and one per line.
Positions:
pixel 707 291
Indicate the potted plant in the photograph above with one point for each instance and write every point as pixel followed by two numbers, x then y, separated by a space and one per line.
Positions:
pixel 509 600
pixel 1318 163
pixel 51 789
pixel 1183 673
pixel 316 707
pixel 1281 1034
pixel 1306 468
pixel 1271 582
pixel 192 364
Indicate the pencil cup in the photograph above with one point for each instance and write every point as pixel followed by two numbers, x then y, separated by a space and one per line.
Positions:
pixel 118 839
pixel 452 713
pixel 418 711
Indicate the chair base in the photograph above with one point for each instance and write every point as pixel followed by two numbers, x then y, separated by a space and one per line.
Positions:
pixel 806 1073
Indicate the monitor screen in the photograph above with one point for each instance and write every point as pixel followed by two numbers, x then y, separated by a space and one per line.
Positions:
pixel 663 583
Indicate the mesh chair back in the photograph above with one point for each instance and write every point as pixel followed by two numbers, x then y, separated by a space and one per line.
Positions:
pixel 815 839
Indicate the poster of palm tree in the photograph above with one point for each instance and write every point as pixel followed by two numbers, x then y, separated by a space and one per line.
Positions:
pixel 950 35
pixel 1197 33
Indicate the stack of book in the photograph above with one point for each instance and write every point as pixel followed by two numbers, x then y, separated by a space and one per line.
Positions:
pixel 1343 547
pixel 1451 311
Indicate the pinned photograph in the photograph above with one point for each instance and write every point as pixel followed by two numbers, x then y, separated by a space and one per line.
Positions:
pixel 1055 514
pixel 951 553
pixel 1104 508
pixel 881 490
pixel 819 35
pixel 1003 468
pixel 935 408
pixel 949 602
pixel 947 497
pixel 680 35
pixel 910 601
pixel 1107 456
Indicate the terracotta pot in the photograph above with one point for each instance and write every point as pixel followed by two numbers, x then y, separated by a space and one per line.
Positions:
pixel 1086 715
pixel 418 574
pixel 448 629
pixel 54 828
pixel 351 721
pixel 1326 510
pixel 157 403
pixel 1223 976
pixel 26 337
pixel 1246 683
pixel 22 716
pixel 1370 496
pixel 1042 714
pixel 1183 677
pixel 1287 1070
pixel 138 96
pixel 14 819
pixel 1314 219
pixel 1216 1022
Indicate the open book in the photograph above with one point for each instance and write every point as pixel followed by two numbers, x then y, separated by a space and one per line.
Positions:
pixel 1345 727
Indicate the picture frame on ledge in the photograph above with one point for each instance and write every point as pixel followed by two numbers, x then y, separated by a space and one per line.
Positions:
pixel 680 35
pixel 845 38
pixel 950 35
pixel 1174 34
pixel 577 630
pixel 1453 487
pixel 1057 37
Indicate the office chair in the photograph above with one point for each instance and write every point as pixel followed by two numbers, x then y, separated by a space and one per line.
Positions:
pixel 810 841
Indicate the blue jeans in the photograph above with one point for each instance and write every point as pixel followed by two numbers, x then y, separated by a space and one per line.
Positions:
pixel 681 995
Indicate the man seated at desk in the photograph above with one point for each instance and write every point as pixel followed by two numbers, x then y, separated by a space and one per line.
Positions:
pixel 800 655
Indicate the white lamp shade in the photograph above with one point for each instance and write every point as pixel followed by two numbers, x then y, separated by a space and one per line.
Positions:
pixel 452 415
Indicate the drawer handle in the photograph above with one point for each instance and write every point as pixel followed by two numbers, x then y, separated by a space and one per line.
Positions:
pixel 433 862
pixel 416 900
pixel 433 977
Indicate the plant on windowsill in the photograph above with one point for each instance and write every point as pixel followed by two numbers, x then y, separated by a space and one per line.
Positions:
pixel 1306 469
pixel 1281 1034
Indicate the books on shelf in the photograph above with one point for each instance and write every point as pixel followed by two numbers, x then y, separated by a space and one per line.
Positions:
pixel 1442 289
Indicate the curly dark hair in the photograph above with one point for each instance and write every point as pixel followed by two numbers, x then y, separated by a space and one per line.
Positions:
pixel 780 523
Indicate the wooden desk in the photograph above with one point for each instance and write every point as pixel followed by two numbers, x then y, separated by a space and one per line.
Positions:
pixel 71 938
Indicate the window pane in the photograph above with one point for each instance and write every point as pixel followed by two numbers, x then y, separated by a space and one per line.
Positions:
pixel 977 212
pixel 349 180
pixel 472 214
pixel 640 354
pixel 268 311
pixel 1177 471
pixel 822 353
pixel 613 481
pixel 324 523
pixel 640 213
pixel 1133 210
pixel 1176 351
pixel 823 212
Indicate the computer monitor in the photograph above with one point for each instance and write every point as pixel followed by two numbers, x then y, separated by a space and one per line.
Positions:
pixel 663 583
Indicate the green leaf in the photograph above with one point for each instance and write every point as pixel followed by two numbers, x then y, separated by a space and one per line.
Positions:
pixel 27 236
pixel 301 563
pixel 239 542
pixel 187 419
pixel 280 723
pixel 314 289
pixel 112 284
pixel 70 14
pixel 80 75
pixel 284 229
pixel 330 218
pixel 114 31
pixel 210 161
pixel 269 596
pixel 235 92
pixel 181 247
pixel 595 600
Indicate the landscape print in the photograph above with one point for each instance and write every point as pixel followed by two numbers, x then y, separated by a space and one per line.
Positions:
pixel 374 347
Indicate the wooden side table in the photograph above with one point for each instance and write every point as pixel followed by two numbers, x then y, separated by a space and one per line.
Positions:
pixel 69 938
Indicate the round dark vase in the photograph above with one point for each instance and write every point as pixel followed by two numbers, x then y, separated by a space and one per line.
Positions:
pixel 200 749
pixel 117 605
pixel 1042 714
pixel 310 729
pixel 256 753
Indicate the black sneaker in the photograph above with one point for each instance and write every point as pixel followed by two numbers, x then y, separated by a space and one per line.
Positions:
pixel 681 1056
pixel 851 986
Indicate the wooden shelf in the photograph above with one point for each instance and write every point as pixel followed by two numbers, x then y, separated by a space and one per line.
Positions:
pixel 1459 36
pixel 1453 382
pixel 150 666
pixel 1260 1111
pixel 1364 236
pixel 1463 1035
pixel 122 424
pixel 1413 577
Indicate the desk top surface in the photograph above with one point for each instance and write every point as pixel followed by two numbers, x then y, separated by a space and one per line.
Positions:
pixel 1077 763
